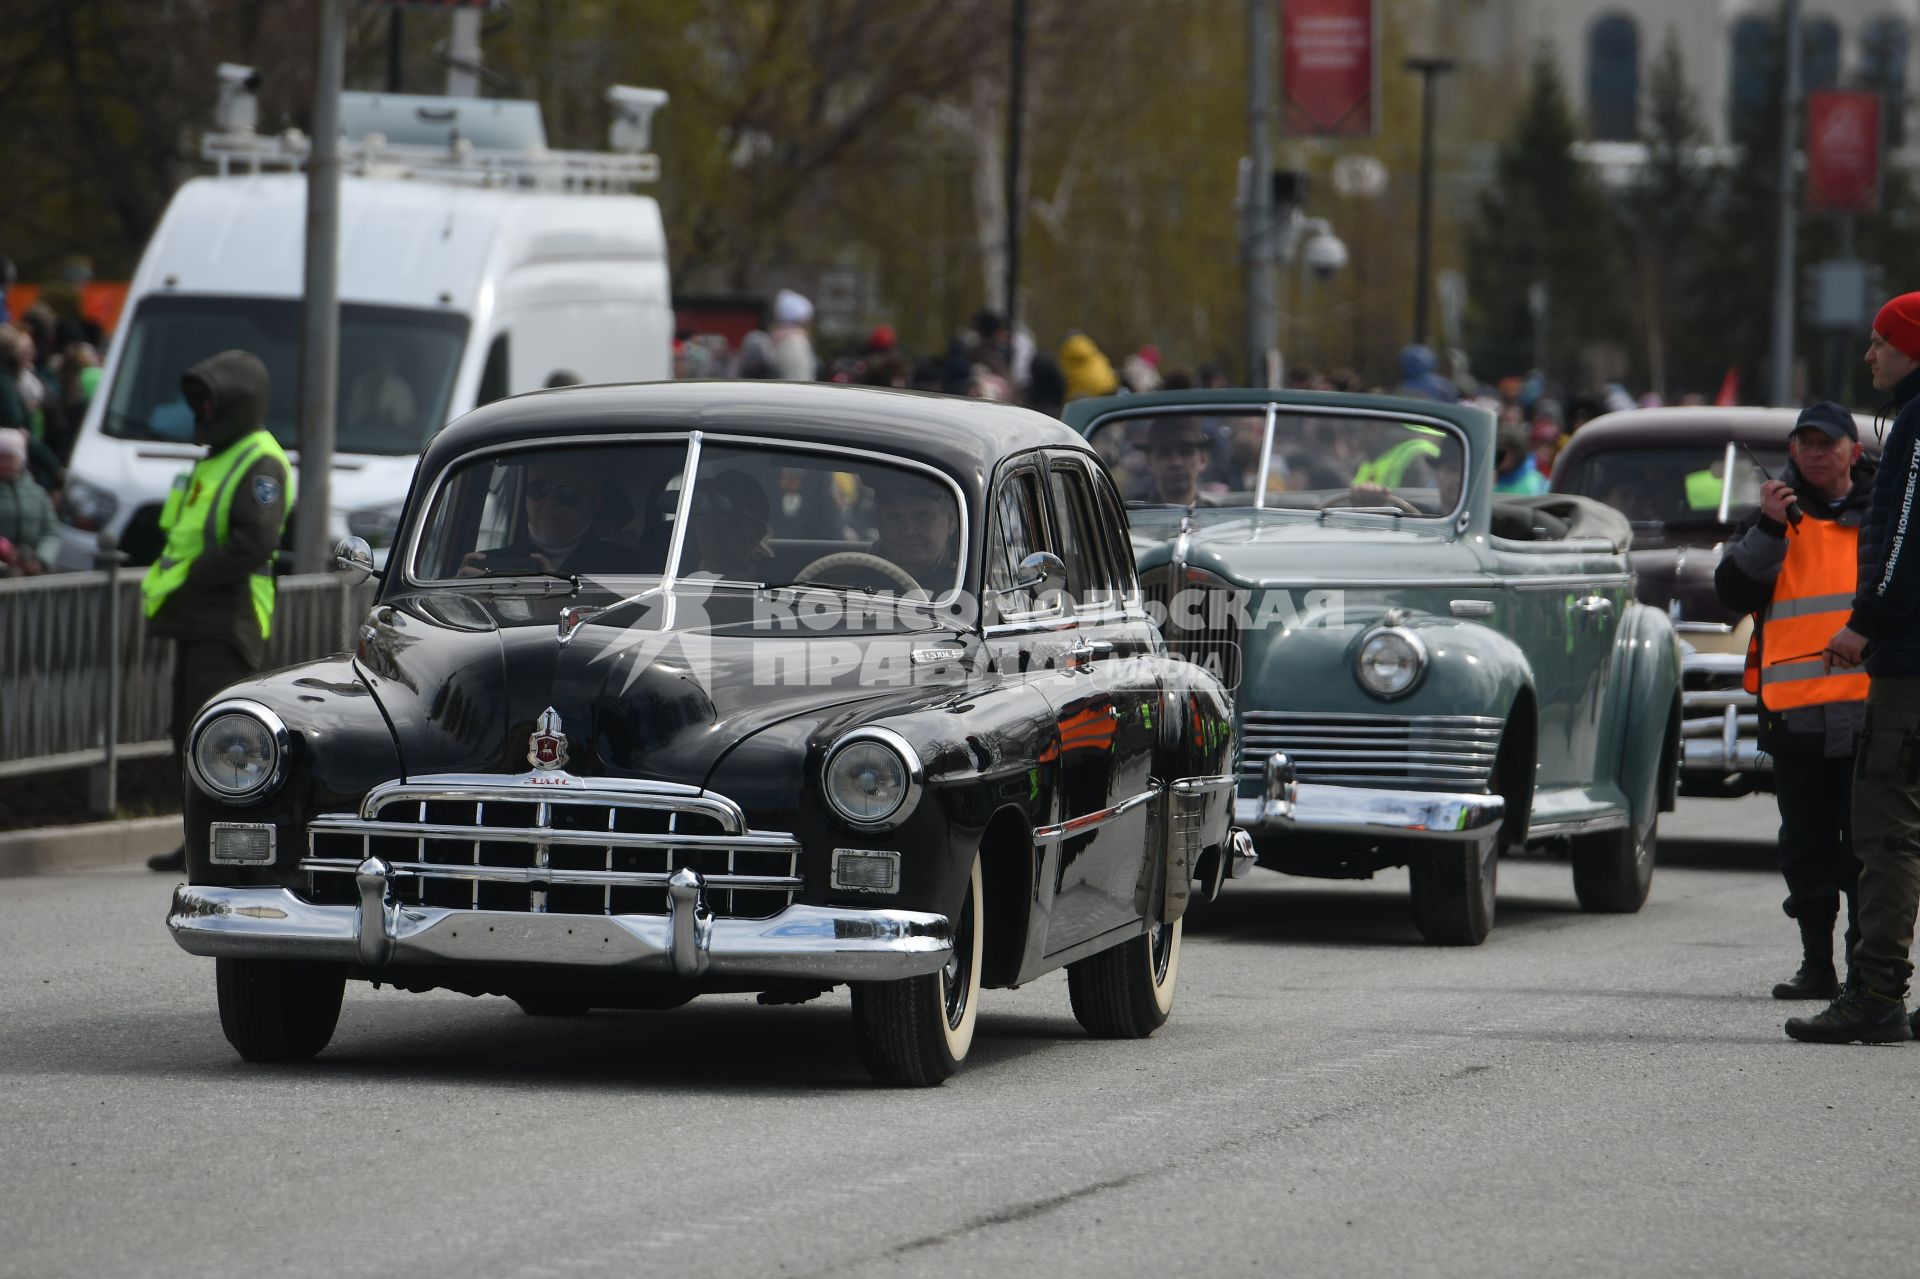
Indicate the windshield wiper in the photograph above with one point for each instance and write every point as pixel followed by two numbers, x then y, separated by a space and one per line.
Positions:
pixel 539 580
pixel 818 585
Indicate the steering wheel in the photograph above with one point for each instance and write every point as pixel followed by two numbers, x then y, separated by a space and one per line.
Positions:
pixel 840 561
pixel 1370 495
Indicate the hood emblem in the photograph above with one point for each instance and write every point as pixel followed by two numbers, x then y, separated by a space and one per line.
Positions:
pixel 547 748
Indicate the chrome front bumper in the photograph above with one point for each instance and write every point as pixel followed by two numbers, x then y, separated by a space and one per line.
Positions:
pixel 1720 726
pixel 1289 805
pixel 822 943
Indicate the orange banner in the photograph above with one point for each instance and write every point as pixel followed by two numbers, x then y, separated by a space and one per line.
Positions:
pixel 100 301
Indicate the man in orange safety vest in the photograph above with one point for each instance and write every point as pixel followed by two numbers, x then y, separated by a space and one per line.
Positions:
pixel 1794 565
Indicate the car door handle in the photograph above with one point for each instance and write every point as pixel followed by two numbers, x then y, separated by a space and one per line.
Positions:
pixel 1592 605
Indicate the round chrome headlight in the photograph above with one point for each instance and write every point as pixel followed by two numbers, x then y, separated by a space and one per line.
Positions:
pixel 1390 662
pixel 872 777
pixel 238 750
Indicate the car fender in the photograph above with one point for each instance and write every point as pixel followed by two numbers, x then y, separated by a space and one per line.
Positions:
pixel 339 747
pixel 1472 669
pixel 1646 671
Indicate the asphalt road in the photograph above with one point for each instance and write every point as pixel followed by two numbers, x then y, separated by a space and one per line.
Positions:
pixel 1583 1094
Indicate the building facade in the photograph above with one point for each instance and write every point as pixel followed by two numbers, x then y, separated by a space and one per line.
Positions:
pixel 1606 51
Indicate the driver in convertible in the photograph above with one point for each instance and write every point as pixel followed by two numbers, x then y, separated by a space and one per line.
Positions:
pixel 918 531
pixel 1177 452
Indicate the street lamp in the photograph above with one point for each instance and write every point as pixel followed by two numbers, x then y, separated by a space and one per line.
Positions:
pixel 1429 69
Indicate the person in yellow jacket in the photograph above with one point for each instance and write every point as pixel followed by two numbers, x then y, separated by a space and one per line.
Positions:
pixel 211 591
pixel 1794 565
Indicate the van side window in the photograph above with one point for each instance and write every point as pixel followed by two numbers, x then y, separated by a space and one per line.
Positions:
pixel 493 378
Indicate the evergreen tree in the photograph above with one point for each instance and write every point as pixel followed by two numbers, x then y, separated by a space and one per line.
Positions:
pixel 1663 217
pixel 1544 220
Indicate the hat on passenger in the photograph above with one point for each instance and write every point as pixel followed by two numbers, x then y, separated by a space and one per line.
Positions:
pixel 13 442
pixel 1176 432
pixel 1829 419
pixel 1899 323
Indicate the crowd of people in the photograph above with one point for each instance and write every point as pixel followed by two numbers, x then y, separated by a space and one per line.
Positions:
pixel 49 372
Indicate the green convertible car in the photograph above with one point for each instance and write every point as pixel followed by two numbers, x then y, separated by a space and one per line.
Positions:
pixel 1428 673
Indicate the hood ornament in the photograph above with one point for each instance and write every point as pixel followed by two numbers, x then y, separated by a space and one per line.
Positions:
pixel 547 748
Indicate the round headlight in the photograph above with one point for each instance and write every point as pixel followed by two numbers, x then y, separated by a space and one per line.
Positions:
pixel 1391 662
pixel 238 752
pixel 872 777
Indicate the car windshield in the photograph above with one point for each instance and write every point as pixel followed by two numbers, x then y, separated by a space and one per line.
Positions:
pixel 1204 459
pixel 396 369
pixel 1674 484
pixel 765 514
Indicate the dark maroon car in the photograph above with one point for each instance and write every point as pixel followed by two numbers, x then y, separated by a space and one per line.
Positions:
pixel 1666 470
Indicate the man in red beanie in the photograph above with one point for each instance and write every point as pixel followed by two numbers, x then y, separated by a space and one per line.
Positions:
pixel 1883 632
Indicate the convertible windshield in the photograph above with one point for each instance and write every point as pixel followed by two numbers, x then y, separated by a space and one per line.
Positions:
pixel 1673 485
pixel 763 514
pixel 396 369
pixel 1204 459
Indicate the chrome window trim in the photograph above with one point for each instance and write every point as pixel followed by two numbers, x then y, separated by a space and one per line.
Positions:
pixel 1570 580
pixel 1273 408
pixel 916 776
pixel 1565 546
pixel 1093 821
pixel 275 726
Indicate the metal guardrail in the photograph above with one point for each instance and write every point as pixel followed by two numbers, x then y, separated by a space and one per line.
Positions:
pixel 75 657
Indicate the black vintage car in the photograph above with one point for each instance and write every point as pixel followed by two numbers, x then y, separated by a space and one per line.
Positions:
pixel 698 687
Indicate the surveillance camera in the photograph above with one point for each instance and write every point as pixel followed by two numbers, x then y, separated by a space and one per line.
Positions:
pixel 1326 255
pixel 633 110
pixel 237 110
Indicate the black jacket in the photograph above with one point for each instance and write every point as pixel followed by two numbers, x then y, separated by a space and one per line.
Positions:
pixel 1744 580
pixel 1889 590
pixel 216 600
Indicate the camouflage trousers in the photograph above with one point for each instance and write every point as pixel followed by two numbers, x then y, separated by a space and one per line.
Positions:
pixel 1886 834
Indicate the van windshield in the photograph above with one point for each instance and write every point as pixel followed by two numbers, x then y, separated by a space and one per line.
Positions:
pixel 397 367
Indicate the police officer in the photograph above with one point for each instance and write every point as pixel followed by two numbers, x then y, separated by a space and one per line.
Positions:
pixel 1886 778
pixel 1793 565
pixel 211 590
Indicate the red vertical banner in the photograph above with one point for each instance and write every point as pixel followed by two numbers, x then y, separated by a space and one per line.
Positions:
pixel 1843 151
pixel 1328 67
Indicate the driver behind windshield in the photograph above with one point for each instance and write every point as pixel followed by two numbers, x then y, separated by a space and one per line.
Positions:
pixel 563 496
pixel 1177 453
pixel 727 530
pixel 919 531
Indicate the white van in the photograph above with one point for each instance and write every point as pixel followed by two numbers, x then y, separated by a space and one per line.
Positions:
pixel 467 272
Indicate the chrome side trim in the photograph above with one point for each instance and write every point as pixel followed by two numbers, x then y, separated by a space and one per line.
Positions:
pixel 818 943
pixel 1353 810
pixel 1092 821
pixel 1202 785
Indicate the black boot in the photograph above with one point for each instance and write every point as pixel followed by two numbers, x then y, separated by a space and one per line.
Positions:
pixel 175 861
pixel 1815 980
pixel 1860 1015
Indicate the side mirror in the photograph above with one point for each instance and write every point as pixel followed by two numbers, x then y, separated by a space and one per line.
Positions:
pixel 351 553
pixel 1042 573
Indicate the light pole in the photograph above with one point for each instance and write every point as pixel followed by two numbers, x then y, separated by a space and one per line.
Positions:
pixel 1429 69
pixel 1783 245
pixel 1256 238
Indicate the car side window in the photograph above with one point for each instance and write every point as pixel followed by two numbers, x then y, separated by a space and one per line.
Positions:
pixel 1081 545
pixel 1113 524
pixel 1018 531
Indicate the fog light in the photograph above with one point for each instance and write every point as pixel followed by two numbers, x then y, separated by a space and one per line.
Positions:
pixel 859 870
pixel 242 843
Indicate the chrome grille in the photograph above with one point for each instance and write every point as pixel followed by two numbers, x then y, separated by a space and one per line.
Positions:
pixel 607 847
pixel 1426 752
